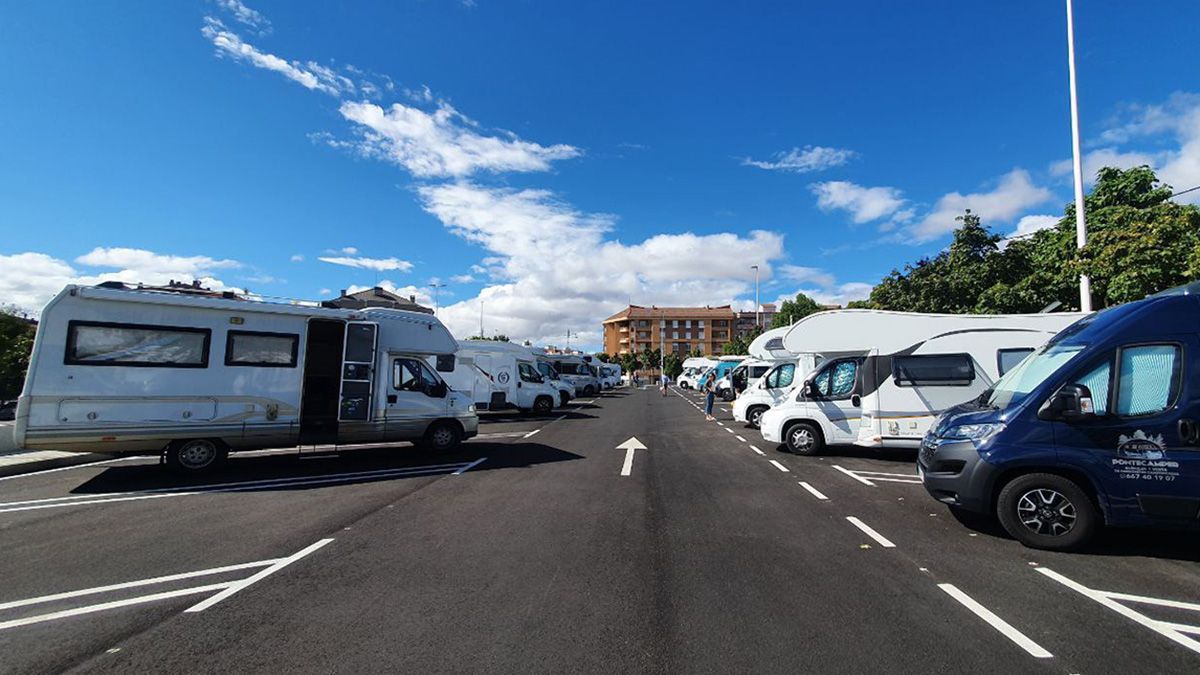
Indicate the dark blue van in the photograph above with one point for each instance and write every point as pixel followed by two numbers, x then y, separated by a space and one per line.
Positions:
pixel 1101 426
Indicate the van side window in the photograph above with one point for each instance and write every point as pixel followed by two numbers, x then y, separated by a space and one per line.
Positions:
pixel 268 350
pixel 528 374
pixel 782 376
pixel 412 375
pixel 837 381
pixel 1097 381
pixel 93 343
pixel 1148 377
pixel 1007 359
pixel 933 369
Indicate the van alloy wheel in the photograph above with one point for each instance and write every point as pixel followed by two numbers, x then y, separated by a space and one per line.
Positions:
pixel 194 455
pixel 1046 512
pixel 804 439
pixel 755 417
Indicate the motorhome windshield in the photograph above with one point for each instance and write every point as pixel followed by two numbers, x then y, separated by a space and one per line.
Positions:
pixel 1016 384
pixel 546 370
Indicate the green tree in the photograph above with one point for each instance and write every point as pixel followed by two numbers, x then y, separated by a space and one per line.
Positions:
pixel 792 311
pixel 603 358
pixel 629 362
pixel 673 365
pixel 16 343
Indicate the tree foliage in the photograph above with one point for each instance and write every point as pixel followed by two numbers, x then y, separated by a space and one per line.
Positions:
pixel 1139 242
pixel 16 343
pixel 741 345
pixel 792 311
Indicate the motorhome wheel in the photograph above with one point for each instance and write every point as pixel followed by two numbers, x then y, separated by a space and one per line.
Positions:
pixel 754 416
pixel 804 439
pixel 197 454
pixel 543 405
pixel 589 390
pixel 1047 511
pixel 442 437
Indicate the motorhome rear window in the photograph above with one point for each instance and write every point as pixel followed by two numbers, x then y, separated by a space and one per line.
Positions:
pixel 267 350
pixel 93 343
pixel 954 370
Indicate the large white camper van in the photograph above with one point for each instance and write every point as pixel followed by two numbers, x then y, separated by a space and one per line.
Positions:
pixel 501 375
pixel 578 372
pixel 566 390
pixel 886 375
pixel 788 370
pixel 119 370
pixel 692 367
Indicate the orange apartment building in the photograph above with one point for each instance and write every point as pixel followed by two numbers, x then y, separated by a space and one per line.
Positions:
pixel 682 329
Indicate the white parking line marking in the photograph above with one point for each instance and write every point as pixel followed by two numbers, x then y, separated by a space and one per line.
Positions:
pixel 813 491
pixel 781 467
pixel 531 433
pixel 1169 630
pixel 255 578
pixel 879 538
pixel 110 605
pixel 728 429
pixel 134 584
pixel 885 477
pixel 470 466
pixel 1005 628
pixel 755 448
pixel 740 439
pixel 855 476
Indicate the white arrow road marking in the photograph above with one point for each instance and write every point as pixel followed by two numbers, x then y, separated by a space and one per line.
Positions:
pixel 629 446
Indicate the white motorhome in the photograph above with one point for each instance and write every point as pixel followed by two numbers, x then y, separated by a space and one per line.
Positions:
pixel 692 367
pixel 887 375
pixel 741 377
pixel 610 374
pixel 787 371
pixel 501 375
pixel 120 370
pixel 566 390
pixel 578 372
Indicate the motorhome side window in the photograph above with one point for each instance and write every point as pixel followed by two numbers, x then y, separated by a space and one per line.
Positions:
pixel 270 350
pixel 91 343
pixel 1147 380
pixel 782 376
pixel 837 381
pixel 567 368
pixel 412 375
pixel 933 369
pixel 1007 359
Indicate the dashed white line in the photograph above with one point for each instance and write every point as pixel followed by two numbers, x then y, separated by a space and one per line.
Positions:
pixel 855 476
pixel 879 538
pixel 755 448
pixel 781 467
pixel 531 433
pixel 740 438
pixel 813 491
pixel 1005 628
pixel 729 430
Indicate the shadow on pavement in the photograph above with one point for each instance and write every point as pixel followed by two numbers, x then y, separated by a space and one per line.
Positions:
pixel 390 463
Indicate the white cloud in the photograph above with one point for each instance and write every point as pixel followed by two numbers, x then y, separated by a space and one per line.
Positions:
pixel 462 278
pixel 349 250
pixel 864 204
pixel 1030 224
pixel 1173 126
pixel 310 76
pixel 30 280
pixel 806 275
pixel 558 269
pixel 377 264
pixel 297 258
pixel 1013 194
pixel 832 294
pixel 804 160
pixel 325 292
pixel 246 16
pixel 442 143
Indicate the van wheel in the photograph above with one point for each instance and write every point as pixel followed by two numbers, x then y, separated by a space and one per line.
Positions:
pixel 805 439
pixel 196 454
pixel 728 395
pixel 1047 511
pixel 442 437
pixel 542 405
pixel 589 390
pixel 754 416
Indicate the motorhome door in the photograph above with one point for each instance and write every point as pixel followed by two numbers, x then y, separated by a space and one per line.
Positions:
pixel 358 366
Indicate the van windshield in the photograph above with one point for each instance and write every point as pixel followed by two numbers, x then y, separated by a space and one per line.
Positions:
pixel 1028 374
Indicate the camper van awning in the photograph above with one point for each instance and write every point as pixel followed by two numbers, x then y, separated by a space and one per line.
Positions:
pixel 861 330
pixel 769 345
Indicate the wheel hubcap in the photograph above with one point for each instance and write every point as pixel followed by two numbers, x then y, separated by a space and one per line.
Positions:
pixel 443 437
pixel 197 454
pixel 1047 512
pixel 755 417
pixel 802 439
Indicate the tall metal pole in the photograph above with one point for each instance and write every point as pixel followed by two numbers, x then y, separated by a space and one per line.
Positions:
pixel 481 316
pixel 436 304
pixel 757 306
pixel 1085 284
pixel 662 346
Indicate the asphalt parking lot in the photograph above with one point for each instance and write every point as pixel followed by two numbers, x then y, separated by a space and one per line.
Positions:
pixel 622 534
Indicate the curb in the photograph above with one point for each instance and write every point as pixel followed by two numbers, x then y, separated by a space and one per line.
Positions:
pixel 33 466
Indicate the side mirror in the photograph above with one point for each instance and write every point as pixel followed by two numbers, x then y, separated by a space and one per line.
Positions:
pixel 1071 403
pixel 856 401
pixel 439 390
pixel 810 389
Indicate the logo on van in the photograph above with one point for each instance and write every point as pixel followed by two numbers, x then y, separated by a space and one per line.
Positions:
pixel 1141 446
pixel 502 377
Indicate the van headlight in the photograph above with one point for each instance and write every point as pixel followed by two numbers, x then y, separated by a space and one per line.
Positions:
pixel 976 433
pixel 471 408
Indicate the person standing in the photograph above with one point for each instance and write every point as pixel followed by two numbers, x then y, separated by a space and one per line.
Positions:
pixel 710 393
pixel 665 381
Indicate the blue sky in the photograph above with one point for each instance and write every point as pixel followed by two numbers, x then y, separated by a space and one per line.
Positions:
pixel 558 160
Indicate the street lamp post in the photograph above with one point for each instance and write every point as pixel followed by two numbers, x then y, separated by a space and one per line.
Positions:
pixel 1085 284
pixel 757 307
pixel 436 305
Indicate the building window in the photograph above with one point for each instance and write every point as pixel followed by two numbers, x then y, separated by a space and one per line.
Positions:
pixel 700 323
pixel 91 343
pixel 267 350
pixel 687 324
